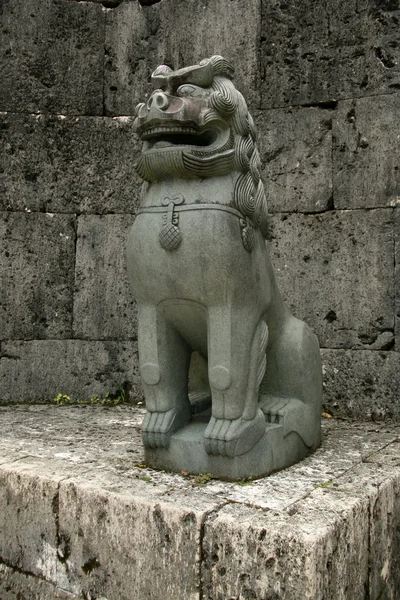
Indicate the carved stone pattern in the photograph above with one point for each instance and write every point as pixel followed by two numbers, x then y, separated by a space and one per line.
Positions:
pixel 170 237
pixel 247 235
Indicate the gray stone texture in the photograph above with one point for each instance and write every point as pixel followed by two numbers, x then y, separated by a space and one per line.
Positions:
pixel 80 511
pixel 51 56
pixel 363 383
pixel 28 500
pixel 338 276
pixel 296 153
pixel 128 533
pixel 67 164
pixel 385 544
pixel 312 53
pixel 39 370
pixel 139 38
pixel 15 585
pixel 253 554
pixel 103 304
pixel 366 152
pixel 397 275
pixel 36 275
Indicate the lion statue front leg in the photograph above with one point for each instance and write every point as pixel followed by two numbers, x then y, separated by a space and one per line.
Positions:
pixel 164 367
pixel 236 366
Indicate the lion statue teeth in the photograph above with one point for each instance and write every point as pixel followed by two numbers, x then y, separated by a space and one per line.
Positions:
pixel 209 308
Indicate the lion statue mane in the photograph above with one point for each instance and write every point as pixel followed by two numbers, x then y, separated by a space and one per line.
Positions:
pixel 217 345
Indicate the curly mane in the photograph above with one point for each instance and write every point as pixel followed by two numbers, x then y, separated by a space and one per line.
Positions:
pixel 249 193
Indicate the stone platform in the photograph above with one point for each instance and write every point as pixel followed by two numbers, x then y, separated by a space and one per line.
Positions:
pixel 82 517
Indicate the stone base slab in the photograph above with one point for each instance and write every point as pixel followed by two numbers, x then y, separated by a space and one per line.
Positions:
pixel 186 452
pixel 82 516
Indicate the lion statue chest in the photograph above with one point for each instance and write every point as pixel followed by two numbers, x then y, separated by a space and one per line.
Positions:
pixel 210 264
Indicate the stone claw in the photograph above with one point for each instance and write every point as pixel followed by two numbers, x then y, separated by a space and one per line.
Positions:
pixel 233 437
pixel 157 427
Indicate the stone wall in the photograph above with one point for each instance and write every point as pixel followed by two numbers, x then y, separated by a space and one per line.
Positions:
pixel 323 83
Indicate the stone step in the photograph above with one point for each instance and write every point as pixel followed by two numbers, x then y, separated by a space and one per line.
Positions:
pixel 83 517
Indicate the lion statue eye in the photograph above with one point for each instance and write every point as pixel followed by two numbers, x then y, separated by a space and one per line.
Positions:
pixel 189 90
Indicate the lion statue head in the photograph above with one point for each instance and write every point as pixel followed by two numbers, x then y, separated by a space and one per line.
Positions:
pixel 196 125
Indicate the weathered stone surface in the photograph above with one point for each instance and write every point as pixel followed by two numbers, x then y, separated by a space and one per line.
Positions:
pixel 29 531
pixel 52 57
pixel 110 438
pixel 105 3
pixel 343 550
pixel 397 275
pixel 177 33
pixel 313 54
pixel 384 580
pixel 15 585
pixel 115 528
pixel 36 275
pixel 337 276
pixel 369 480
pixel 75 435
pixel 67 164
pixel 296 153
pixel 310 554
pixel 343 445
pixel 150 545
pixel 40 370
pixel 362 384
pixel 366 172
pixel 103 303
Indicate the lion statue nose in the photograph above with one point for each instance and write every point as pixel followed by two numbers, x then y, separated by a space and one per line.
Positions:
pixel 159 100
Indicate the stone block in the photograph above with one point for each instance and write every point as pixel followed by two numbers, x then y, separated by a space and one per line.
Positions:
pixel 397 275
pixel 362 384
pixel 15 585
pixel 377 480
pixel 103 305
pixel 67 164
pixel 107 435
pixel 252 554
pixel 384 579
pixel 296 153
pixel 40 370
pixel 150 546
pixel 177 33
pixel 113 528
pixel 37 275
pixel 28 501
pixel 335 272
pixel 52 57
pixel 108 3
pixel 311 54
pixel 366 152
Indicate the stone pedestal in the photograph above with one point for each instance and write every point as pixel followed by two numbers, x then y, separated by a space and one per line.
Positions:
pixel 186 451
pixel 82 516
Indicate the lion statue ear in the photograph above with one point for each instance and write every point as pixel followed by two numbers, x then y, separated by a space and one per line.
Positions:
pixel 220 65
pixel 161 70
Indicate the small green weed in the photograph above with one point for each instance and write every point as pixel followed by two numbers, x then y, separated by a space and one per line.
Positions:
pixel 146 478
pixel 63 399
pixel 202 479
pixel 119 397
pixel 243 482
pixel 324 485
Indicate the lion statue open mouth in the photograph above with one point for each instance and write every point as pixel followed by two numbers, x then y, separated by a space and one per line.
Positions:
pixel 201 274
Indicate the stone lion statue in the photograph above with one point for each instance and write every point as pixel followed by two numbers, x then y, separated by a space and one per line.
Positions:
pixel 200 271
